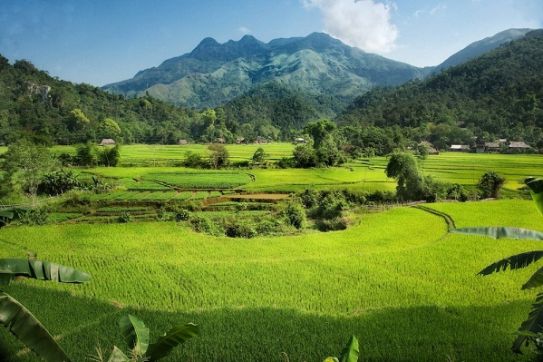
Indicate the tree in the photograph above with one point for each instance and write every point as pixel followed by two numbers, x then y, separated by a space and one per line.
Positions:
pixel 25 165
pixel 319 131
pixel 109 157
pixel 259 156
pixel 110 128
pixel 295 215
pixel 219 156
pixel 86 155
pixel 304 156
pixel 490 184
pixel 403 167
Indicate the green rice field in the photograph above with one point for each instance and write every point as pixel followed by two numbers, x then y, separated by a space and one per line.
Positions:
pixel 409 293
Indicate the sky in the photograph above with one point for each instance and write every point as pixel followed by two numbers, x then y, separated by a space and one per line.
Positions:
pixel 104 41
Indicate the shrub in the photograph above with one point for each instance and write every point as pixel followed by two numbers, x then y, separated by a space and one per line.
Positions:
pixel 202 224
pixel 239 230
pixel 219 156
pixel 309 198
pixel 304 156
pixel 182 215
pixel 124 218
pixel 337 223
pixel 490 185
pixel 65 159
pixel 330 205
pixel 58 182
pixel 286 162
pixel 109 156
pixel 86 155
pixel 34 216
pixel 295 215
pixel 193 160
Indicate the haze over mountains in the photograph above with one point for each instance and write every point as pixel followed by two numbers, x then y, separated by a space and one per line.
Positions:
pixel 316 65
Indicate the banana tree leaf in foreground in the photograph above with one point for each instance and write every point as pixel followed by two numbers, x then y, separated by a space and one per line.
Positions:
pixel 118 356
pixel 536 189
pixel 501 232
pixel 513 262
pixel 531 326
pixel 174 337
pixel 349 353
pixel 135 333
pixel 42 270
pixel 23 325
pixel 7 214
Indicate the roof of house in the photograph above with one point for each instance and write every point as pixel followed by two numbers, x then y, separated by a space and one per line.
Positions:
pixel 459 147
pixel 518 144
pixel 107 141
pixel 492 144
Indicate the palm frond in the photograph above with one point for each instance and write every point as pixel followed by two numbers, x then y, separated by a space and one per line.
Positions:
pixel 513 262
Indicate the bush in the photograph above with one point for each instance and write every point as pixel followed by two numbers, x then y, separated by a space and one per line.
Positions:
pixel 124 218
pixel 330 205
pixel 202 224
pixel 304 156
pixel 34 216
pixel 286 162
pixel 109 157
pixel 309 198
pixel 338 223
pixel 193 160
pixel 490 185
pixel 182 215
pixel 65 159
pixel 239 230
pixel 86 155
pixel 58 182
pixel 295 215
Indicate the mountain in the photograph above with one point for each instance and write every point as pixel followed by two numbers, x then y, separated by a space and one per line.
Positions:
pixel 480 47
pixel 213 74
pixel 498 94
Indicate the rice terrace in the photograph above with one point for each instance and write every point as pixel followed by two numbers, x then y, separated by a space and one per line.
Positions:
pixel 303 198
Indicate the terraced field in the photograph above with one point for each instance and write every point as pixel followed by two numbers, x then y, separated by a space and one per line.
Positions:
pixel 409 293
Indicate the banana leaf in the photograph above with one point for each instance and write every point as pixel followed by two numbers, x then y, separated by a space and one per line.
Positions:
pixel 513 262
pixel 531 326
pixel 42 270
pixel 536 189
pixel 23 325
pixel 135 333
pixel 350 352
pixel 6 214
pixel 501 232
pixel 174 337
pixel 118 356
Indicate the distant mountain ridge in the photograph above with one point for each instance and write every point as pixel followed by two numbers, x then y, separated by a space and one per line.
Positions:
pixel 213 73
pixel 480 47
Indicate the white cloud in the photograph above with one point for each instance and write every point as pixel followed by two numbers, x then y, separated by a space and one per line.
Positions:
pixel 365 24
pixel 437 9
pixel 244 30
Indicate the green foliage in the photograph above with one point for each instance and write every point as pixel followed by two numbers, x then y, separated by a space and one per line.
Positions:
pixel 42 270
pixel 124 218
pixel 28 329
pixel 136 335
pixel 193 160
pixel 32 215
pixel 25 165
pixel 492 95
pixel 403 167
pixel 86 155
pixel 295 215
pixel 58 182
pixel 219 156
pixel 109 157
pixel 259 156
pixel 490 184
pixel 350 352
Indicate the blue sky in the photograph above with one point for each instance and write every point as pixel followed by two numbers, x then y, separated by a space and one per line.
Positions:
pixel 103 41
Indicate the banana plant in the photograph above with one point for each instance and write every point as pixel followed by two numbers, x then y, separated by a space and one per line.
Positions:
pixel 18 320
pixel 136 334
pixel 531 329
pixel 350 352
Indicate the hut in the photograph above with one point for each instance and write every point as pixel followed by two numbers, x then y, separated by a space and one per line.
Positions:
pixel 107 142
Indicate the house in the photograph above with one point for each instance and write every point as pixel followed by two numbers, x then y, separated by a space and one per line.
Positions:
pixel 107 142
pixel 261 140
pixel 220 140
pixel 459 148
pixel 240 140
pixel 183 142
pixel 299 140
pixel 519 146
pixel 493 146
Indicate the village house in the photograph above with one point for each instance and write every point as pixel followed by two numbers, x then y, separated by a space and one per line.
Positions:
pixel 299 140
pixel 518 147
pixel 459 148
pixel 183 142
pixel 107 142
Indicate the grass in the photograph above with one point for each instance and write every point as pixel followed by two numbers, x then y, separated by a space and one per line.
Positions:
pixel 409 293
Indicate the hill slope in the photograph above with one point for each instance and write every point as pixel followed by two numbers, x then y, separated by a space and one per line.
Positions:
pixel 481 47
pixel 500 93
pixel 214 73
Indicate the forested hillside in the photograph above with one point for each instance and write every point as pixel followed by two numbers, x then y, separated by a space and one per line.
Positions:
pixel 499 94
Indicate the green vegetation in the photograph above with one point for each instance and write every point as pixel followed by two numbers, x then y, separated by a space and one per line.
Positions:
pixel 285 289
